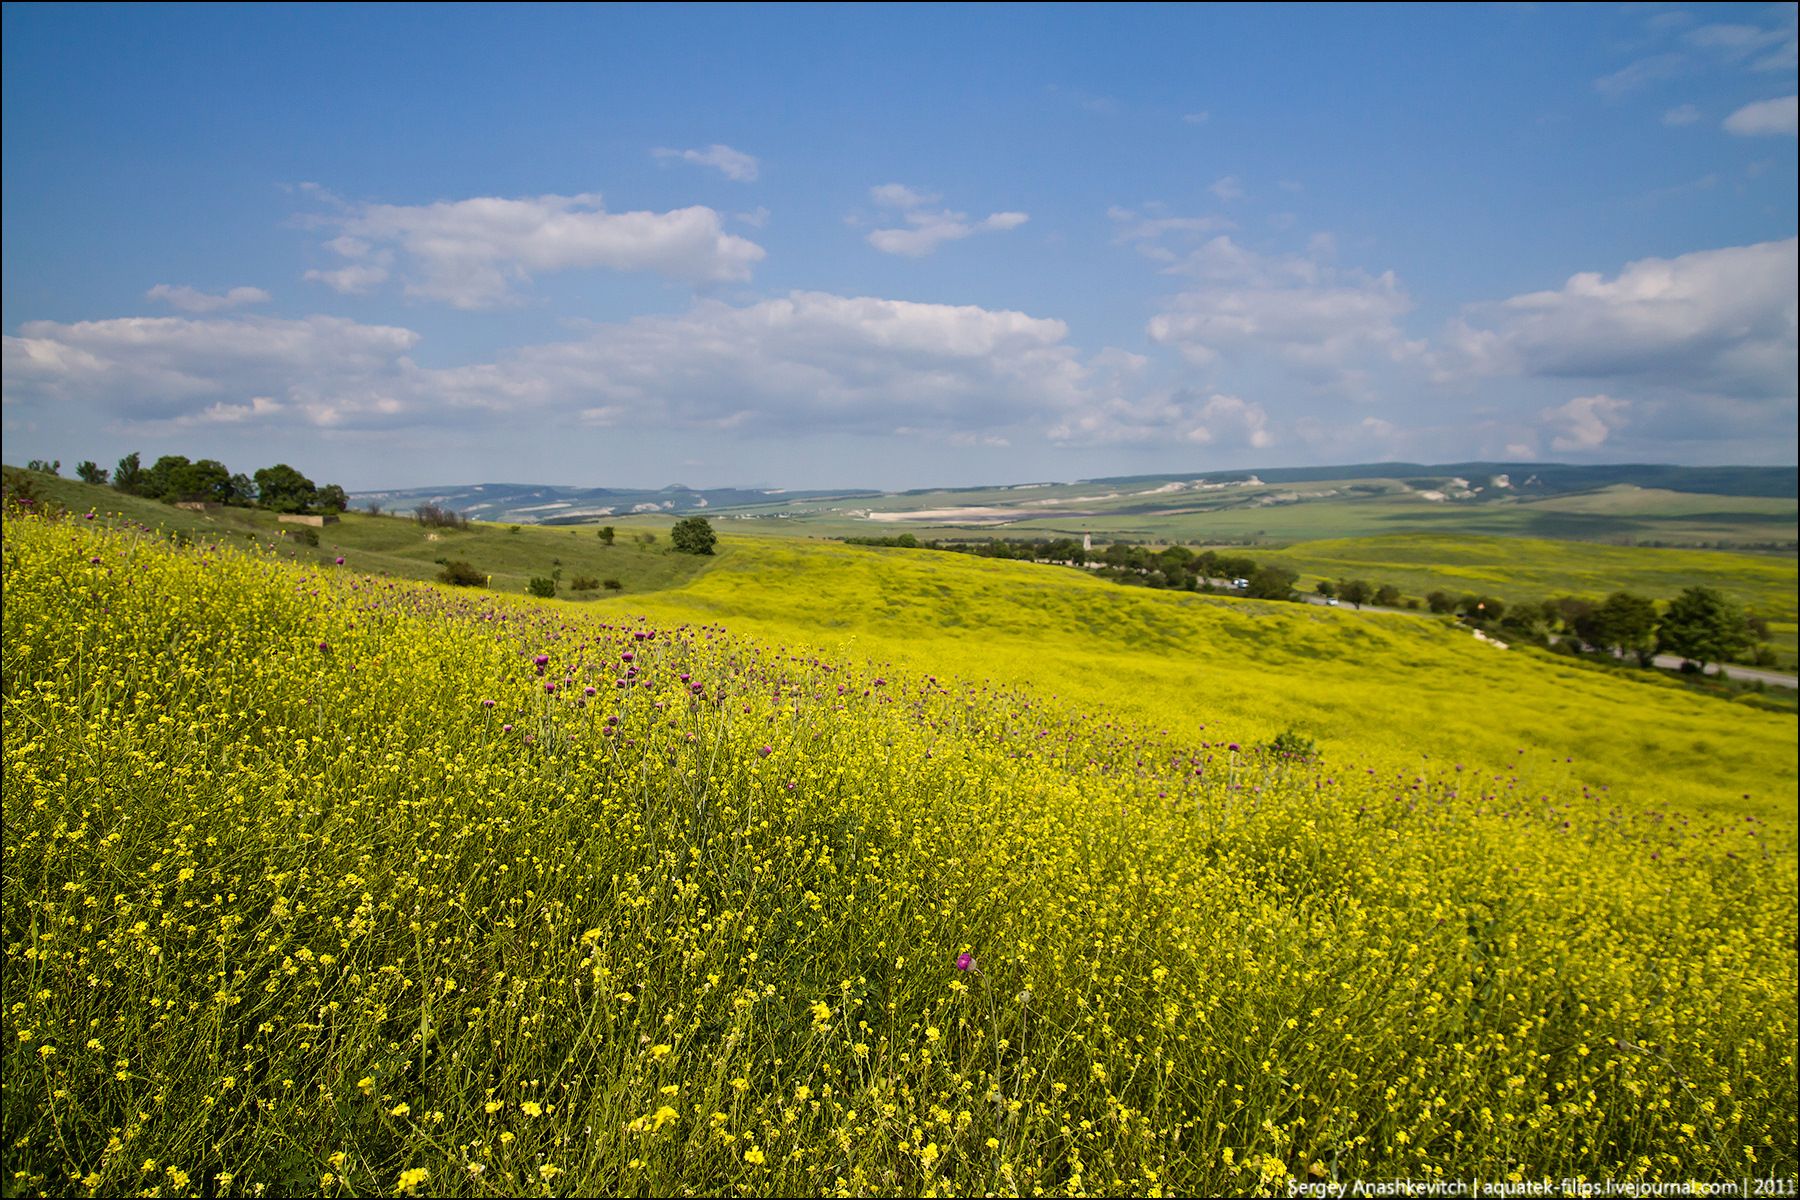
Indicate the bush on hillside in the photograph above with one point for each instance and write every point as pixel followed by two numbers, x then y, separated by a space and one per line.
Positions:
pixel 462 574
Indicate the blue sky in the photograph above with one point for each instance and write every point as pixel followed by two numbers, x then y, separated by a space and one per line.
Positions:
pixel 896 247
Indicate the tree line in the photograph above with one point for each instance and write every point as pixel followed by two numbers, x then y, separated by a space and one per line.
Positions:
pixel 176 480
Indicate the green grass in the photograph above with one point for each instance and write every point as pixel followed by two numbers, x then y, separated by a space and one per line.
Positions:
pixel 1357 681
pixel 403 549
pixel 315 884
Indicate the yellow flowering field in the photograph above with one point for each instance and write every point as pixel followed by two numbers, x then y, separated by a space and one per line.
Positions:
pixel 322 883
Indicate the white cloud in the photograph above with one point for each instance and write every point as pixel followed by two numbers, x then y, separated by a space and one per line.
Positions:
pixel 1767 49
pixel 733 164
pixel 1714 321
pixel 472 253
pixel 1640 74
pixel 1779 117
pixel 353 279
pixel 1321 322
pixel 1683 114
pixel 808 362
pixel 189 299
pixel 1228 189
pixel 1584 423
pixel 1180 416
pixel 151 371
pixel 1197 118
pixel 1147 231
pixel 927 227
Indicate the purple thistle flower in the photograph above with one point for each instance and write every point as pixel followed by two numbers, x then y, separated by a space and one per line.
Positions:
pixel 340 560
pixel 965 961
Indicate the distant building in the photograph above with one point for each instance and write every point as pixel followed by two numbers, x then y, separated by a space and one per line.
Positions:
pixel 318 521
pixel 198 505
pixel 1087 542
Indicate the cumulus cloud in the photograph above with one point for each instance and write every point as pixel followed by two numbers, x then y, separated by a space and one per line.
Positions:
pixel 809 361
pixel 153 371
pixel 1228 189
pixel 927 227
pixel 474 253
pixel 733 164
pixel 1584 423
pixel 1714 321
pixel 1182 416
pixel 1766 118
pixel 1322 322
pixel 189 299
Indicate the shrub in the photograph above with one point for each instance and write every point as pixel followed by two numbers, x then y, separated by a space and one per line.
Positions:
pixel 307 537
pixel 584 583
pixel 461 574
pixel 539 586
pixel 434 516
pixel 613 585
pixel 1291 744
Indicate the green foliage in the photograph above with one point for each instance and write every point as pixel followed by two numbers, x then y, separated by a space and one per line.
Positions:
pixel 333 498
pixel 91 472
pixel 282 489
pixel 128 476
pixel 462 574
pixel 1293 745
pixel 43 467
pixel 693 535
pixel 584 583
pixel 1622 624
pixel 1272 583
pixel 305 536
pixel 606 534
pixel 1355 592
pixel 1704 627
pixel 539 586
pixel 613 585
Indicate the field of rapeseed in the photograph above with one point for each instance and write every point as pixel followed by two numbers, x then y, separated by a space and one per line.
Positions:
pixel 321 883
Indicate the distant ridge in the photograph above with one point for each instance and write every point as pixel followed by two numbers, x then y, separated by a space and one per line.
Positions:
pixel 550 504
pixel 1782 483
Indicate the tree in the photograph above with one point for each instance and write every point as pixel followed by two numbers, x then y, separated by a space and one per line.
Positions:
pixel 1387 596
pixel 692 535
pixel 1326 588
pixel 1441 602
pixel 1621 624
pixel 165 475
pixel 332 498
pixel 47 466
pixel 128 476
pixel 1702 626
pixel 285 490
pixel 607 533
pixel 1355 591
pixel 91 472
pixel 1272 583
pixel 243 491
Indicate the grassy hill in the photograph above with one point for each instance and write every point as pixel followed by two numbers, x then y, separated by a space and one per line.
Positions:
pixel 1360 682
pixel 400 547
pixel 319 882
